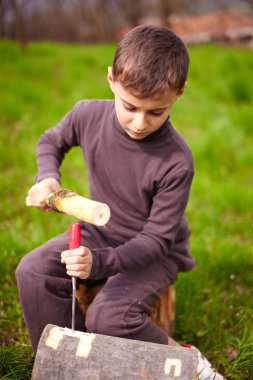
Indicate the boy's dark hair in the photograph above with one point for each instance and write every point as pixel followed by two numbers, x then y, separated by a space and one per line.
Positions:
pixel 150 59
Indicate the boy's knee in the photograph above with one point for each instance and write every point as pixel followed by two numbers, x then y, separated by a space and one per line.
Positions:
pixel 99 320
pixel 30 264
pixel 23 268
pixel 112 320
pixel 26 274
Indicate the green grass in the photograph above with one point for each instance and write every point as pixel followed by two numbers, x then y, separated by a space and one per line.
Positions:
pixel 16 362
pixel 214 301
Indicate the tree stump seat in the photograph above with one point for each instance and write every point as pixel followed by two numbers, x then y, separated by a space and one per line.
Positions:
pixel 163 312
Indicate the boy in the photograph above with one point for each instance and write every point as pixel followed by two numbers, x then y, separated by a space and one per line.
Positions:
pixel 142 168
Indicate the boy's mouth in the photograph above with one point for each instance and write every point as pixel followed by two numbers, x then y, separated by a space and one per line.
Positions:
pixel 137 133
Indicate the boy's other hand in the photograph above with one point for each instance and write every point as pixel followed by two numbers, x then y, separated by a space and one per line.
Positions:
pixel 38 193
pixel 78 262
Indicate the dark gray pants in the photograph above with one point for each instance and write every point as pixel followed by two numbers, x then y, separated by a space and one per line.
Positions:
pixel 120 309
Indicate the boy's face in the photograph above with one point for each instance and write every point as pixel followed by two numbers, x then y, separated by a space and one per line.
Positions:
pixel 141 117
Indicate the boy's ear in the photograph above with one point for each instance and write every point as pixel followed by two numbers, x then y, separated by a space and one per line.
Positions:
pixel 180 93
pixel 110 78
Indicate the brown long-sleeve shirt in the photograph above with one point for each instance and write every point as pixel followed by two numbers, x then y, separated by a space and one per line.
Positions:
pixel 145 182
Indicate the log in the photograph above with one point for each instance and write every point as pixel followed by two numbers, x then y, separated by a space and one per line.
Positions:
pixel 163 312
pixel 71 203
pixel 66 355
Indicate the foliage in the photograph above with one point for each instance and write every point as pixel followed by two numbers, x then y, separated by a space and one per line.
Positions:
pixel 214 301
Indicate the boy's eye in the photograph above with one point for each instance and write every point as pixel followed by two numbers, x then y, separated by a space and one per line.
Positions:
pixel 129 108
pixel 156 113
pixel 132 109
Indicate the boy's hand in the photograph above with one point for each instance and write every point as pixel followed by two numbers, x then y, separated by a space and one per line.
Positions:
pixel 78 262
pixel 38 193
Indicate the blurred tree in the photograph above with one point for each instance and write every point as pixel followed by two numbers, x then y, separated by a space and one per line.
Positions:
pixel 250 2
pixel 102 21
pixel 3 7
pixel 15 10
pixel 167 7
pixel 132 11
pixel 92 20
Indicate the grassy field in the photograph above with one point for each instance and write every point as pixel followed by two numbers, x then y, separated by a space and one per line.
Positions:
pixel 214 301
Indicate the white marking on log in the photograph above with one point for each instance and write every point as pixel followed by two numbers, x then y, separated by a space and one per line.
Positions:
pixel 170 363
pixel 56 334
pixel 85 345
pixel 74 333
pixel 54 337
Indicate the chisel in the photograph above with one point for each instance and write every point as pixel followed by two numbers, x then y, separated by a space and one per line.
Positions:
pixel 74 242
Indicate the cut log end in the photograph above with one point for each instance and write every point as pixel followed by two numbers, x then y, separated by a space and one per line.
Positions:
pixel 101 215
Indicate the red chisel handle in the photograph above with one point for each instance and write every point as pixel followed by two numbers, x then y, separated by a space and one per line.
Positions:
pixel 74 236
pixel 74 242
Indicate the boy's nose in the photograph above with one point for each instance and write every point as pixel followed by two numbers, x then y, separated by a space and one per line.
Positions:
pixel 139 122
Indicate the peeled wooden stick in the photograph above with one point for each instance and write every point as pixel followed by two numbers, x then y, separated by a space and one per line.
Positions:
pixel 69 202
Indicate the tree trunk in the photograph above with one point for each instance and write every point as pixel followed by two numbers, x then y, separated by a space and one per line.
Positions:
pixel 19 24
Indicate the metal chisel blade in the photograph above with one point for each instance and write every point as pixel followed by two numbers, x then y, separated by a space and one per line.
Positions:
pixel 73 303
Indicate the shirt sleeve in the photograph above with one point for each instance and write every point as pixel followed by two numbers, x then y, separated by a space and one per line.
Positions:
pixel 55 143
pixel 157 238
